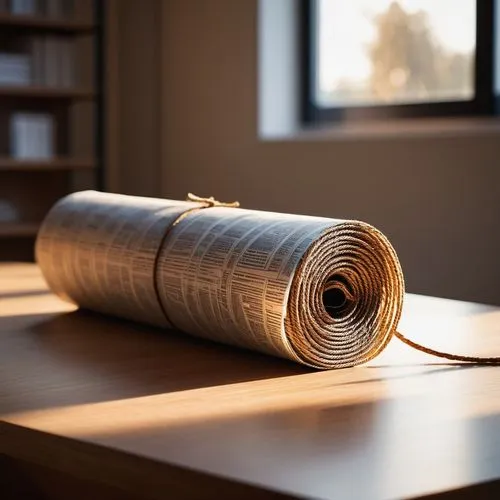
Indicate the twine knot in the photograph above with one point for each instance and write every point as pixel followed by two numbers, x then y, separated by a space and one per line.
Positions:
pixel 212 202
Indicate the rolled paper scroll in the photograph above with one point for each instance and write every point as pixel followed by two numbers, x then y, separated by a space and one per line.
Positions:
pixel 324 292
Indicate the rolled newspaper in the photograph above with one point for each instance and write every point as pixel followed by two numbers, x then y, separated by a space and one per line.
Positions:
pixel 323 292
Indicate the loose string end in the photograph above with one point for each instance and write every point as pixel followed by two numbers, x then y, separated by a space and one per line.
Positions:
pixel 447 355
pixel 212 202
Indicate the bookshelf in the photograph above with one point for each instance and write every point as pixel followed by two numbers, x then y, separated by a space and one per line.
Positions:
pixel 61 163
pixel 51 96
pixel 18 230
pixel 38 24
pixel 40 92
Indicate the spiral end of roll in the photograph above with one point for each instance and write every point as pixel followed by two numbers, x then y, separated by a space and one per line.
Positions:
pixel 345 299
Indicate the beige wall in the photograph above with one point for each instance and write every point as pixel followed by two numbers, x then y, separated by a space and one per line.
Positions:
pixel 436 197
pixel 133 74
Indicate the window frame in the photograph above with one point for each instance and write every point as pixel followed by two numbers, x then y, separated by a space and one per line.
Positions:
pixel 483 103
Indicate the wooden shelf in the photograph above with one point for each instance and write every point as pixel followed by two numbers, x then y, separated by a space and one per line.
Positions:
pixel 13 164
pixel 38 23
pixel 18 229
pixel 32 91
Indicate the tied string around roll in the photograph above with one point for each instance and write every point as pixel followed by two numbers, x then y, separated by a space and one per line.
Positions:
pixel 345 297
pixel 203 203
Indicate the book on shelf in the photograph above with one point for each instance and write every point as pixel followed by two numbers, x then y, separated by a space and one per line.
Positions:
pixel 67 62
pixel 15 69
pixel 8 212
pixel 53 9
pixel 37 61
pixel 23 7
pixel 52 61
pixel 46 61
pixel 32 135
pixel 58 9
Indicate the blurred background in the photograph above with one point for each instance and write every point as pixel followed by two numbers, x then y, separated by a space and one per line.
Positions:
pixel 378 110
pixel 382 51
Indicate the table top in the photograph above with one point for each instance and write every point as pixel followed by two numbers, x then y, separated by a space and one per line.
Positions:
pixel 99 396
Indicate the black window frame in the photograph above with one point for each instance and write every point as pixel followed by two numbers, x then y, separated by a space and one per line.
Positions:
pixel 483 103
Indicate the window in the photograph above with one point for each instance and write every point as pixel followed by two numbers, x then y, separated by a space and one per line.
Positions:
pixel 397 58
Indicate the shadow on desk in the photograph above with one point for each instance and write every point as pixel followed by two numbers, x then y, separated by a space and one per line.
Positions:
pixel 86 357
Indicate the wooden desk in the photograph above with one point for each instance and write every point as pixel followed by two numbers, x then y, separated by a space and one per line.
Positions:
pixel 94 404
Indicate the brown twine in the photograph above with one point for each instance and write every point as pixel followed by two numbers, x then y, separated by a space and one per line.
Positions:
pixel 205 203
pixel 300 342
pixel 447 355
pixel 212 202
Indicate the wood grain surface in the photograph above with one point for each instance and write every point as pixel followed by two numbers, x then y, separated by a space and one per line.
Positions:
pixel 157 414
